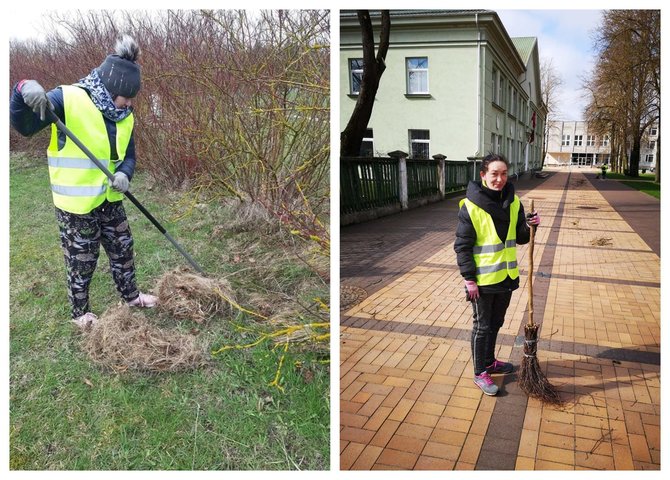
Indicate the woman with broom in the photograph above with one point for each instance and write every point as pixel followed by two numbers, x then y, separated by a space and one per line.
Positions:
pixel 98 110
pixel 491 222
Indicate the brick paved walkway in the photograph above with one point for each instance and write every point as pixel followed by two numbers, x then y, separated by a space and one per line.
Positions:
pixel 407 397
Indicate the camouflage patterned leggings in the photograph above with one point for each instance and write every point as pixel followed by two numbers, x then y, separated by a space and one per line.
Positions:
pixel 81 236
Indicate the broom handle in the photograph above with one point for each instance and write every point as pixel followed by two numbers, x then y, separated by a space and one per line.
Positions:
pixel 530 268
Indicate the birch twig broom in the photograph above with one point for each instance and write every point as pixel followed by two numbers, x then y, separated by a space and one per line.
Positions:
pixel 531 379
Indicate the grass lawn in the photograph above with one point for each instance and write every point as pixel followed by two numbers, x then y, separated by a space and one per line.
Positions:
pixel 645 183
pixel 67 413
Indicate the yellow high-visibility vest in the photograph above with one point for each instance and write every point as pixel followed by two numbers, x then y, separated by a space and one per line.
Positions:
pixel 494 259
pixel 77 184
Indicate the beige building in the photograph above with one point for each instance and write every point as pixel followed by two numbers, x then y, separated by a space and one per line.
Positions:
pixel 571 143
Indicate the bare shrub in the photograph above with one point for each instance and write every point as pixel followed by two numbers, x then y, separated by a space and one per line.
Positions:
pixel 232 102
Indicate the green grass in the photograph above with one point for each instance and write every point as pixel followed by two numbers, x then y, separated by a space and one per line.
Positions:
pixel 645 183
pixel 68 413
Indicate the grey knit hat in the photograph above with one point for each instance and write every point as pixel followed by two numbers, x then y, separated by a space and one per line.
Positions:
pixel 119 72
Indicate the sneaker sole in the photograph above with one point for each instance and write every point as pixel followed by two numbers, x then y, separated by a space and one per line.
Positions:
pixel 485 392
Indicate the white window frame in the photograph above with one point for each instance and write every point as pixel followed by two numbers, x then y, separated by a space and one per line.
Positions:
pixel 652 145
pixel 565 140
pixel 590 140
pixel 352 71
pixel 417 70
pixel 416 141
pixel 497 87
pixel 605 142
pixel 579 139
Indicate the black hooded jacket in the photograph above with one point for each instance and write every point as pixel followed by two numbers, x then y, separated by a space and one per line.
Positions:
pixel 496 204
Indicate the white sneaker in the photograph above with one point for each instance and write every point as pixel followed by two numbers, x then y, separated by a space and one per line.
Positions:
pixel 86 320
pixel 144 300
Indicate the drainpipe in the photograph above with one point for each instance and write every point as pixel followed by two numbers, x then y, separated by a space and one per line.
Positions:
pixel 478 86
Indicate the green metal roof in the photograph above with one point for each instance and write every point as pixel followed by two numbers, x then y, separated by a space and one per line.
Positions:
pixel 418 13
pixel 524 45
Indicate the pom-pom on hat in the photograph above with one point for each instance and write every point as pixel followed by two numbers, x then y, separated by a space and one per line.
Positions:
pixel 119 72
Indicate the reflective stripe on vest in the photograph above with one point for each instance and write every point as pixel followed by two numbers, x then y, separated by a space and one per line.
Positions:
pixel 64 162
pixel 77 184
pixel 78 191
pixel 494 259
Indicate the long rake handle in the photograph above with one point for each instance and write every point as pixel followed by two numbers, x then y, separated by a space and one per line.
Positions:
pixel 61 126
pixel 530 269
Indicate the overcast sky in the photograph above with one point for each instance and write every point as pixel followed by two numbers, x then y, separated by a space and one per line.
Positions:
pixel 565 37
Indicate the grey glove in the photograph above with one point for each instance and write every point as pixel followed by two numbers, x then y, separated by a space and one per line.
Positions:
pixel 36 98
pixel 120 182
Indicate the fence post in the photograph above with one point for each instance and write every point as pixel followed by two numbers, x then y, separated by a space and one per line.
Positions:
pixel 401 157
pixel 441 181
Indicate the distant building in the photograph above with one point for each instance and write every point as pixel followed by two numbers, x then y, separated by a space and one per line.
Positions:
pixel 455 84
pixel 571 143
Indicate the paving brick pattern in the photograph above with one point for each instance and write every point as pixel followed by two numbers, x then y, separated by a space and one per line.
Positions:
pixel 407 397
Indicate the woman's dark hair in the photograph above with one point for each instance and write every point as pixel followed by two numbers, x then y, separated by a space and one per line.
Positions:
pixel 492 157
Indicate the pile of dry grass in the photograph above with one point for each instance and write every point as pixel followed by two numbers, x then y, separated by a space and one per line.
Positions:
pixel 185 296
pixel 123 339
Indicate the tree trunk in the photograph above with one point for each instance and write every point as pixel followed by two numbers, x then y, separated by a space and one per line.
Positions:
pixel 373 68
pixel 634 160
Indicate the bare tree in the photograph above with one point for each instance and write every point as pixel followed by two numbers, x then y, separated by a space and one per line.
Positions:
pixel 624 86
pixel 373 68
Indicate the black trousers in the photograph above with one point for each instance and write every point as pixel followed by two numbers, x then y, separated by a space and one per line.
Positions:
pixel 488 316
pixel 81 236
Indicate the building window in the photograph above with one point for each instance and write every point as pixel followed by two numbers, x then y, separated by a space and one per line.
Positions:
pixel 496 143
pixel 578 140
pixel 649 158
pixel 419 144
pixel 605 141
pixel 513 109
pixel 565 141
pixel 509 99
pixel 355 75
pixel 590 140
pixel 367 145
pixel 417 75
pixel 652 145
pixel 653 132
pixel 497 87
pixel 510 150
